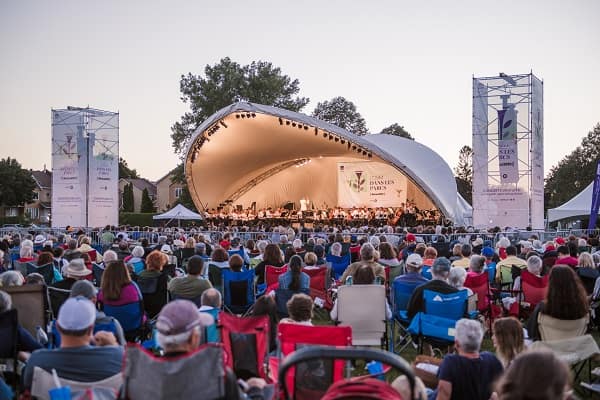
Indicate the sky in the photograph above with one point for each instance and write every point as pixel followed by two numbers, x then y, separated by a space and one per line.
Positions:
pixel 409 62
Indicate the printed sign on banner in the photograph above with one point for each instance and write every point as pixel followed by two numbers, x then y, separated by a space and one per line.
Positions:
pixel 370 184
pixel 104 178
pixel 595 200
pixel 507 145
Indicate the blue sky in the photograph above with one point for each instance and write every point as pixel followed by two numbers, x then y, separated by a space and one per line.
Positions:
pixel 398 61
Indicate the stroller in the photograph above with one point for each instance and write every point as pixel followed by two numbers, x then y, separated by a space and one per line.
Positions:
pixel 362 387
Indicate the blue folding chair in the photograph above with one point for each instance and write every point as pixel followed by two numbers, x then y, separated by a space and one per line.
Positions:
pixel 491 270
pixel 47 271
pixel 211 332
pixel 426 272
pixel 401 293
pixel 238 291
pixel 339 264
pixel 130 316
pixel 442 311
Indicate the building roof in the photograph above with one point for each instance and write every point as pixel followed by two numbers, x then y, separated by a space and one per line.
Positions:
pixel 167 175
pixel 42 178
pixel 142 184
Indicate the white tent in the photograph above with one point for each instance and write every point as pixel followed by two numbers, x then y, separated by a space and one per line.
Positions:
pixel 577 206
pixel 179 212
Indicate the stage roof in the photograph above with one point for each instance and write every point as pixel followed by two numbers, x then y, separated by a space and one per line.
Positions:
pixel 247 152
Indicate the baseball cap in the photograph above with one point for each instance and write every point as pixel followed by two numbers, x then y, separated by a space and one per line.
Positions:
pixel 410 237
pixel 559 240
pixel 76 314
pixel 414 259
pixel 526 243
pixel 181 316
pixel 441 264
pixel 487 252
pixel 83 288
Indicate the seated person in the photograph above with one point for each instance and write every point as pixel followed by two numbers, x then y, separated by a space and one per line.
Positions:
pixel 299 308
pixel 438 283
pixel 76 359
pixel 413 275
pixel 210 299
pixel 470 373
pixel 193 284
pixel 272 256
pixel 25 342
pixel 367 257
pixel 294 279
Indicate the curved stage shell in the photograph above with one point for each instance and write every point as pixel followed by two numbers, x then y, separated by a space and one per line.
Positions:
pixel 247 153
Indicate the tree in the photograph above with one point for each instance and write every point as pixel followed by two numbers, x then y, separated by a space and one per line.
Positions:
pixel 398 130
pixel 125 171
pixel 574 172
pixel 227 82
pixel 16 183
pixel 341 112
pixel 185 198
pixel 128 205
pixel 464 173
pixel 147 205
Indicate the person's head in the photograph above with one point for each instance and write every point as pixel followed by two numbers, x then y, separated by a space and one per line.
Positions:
pixel 297 244
pixel 138 251
pixel 503 242
pixel 212 298
pixel 272 255
pixel 11 278
pixel 367 252
pixel 115 276
pixel 336 249
pixel 468 336
pixel 26 252
pixel 123 246
pixel 476 263
pixel 295 268
pixel 236 262
pixel 109 255
pixel 195 265
pixel 375 242
pixel 310 258
pixel 466 250
pixel 585 260
pixel 5 301
pixel 76 269
pixel 596 258
pixel 34 279
pixel 440 268
pixel 386 251
pixel 534 375
pixel 566 297
pixel 363 275
pixel 563 251
pixel 288 253
pixel 414 262
pixel 58 252
pixel 190 243
pixel 75 322
pixel 156 260
pixel 507 336
pixel 488 252
pixel 534 265
pixel 430 253
pixel 300 307
pixel 178 326
pixel 44 258
pixel 456 250
pixel 319 250
pixel 511 251
pixel 85 289
pixel 72 244
pixel 457 277
pixel 261 246
pixel 200 249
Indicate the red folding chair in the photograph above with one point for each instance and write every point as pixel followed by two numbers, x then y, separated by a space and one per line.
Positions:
pixel 534 290
pixel 246 342
pixel 272 274
pixel 480 285
pixel 318 285
pixel 311 380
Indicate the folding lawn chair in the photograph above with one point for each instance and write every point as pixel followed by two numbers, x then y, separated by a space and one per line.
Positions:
pixel 401 293
pixel 339 264
pixel 238 291
pixel 272 274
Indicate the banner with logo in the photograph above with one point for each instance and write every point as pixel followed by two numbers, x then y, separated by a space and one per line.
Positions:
pixel 595 200
pixel 69 165
pixel 370 184
pixel 508 156
pixel 537 153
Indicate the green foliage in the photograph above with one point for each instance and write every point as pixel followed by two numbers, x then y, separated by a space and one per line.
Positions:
pixel 147 205
pixel 128 205
pixel 341 112
pixel 227 82
pixel 125 171
pixel 16 183
pixel 574 172
pixel 21 219
pixel 464 173
pixel 136 219
pixel 398 130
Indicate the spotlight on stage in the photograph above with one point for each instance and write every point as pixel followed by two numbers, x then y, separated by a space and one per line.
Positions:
pixel 305 127
pixel 237 115
pixel 223 124
pixel 343 141
pixel 337 139
pixel 243 115
pixel 253 115
pixel 330 137
pixel 324 134
pixel 287 122
pixel 280 121
pixel 293 124
pixel 316 131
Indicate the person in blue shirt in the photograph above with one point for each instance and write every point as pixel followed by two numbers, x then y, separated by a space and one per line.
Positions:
pixel 294 279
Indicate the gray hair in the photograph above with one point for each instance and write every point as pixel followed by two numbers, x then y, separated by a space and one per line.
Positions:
pixel 11 278
pixel 283 238
pixel 457 277
pixel 110 255
pixel 375 241
pixel 503 242
pixel 596 258
pixel 534 265
pixel 138 251
pixel 5 301
pixel 211 297
pixel 476 263
pixel 26 251
pixel 336 249
pixel 297 243
pixel 262 245
pixel 367 252
pixel 469 335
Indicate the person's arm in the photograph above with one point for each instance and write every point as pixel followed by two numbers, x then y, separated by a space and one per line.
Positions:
pixel 444 390
pixel 333 312
pixel 26 341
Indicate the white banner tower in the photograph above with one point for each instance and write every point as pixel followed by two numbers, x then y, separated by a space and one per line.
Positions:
pixel 508 151
pixel 85 167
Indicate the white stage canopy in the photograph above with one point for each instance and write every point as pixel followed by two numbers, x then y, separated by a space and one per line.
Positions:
pixel 179 212
pixel 250 153
pixel 578 206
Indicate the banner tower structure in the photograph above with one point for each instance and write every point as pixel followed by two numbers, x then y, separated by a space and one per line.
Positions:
pixel 85 167
pixel 508 151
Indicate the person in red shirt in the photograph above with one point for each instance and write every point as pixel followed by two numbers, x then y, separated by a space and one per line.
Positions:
pixel 566 256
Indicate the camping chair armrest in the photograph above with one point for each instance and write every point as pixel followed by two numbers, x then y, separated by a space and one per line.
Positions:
pixel 473 314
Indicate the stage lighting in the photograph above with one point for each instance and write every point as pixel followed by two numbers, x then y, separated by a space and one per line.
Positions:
pixel 353 147
pixel 343 141
pixel 349 144
pixel 300 126
pixel 324 134
pixel 370 155
pixel 237 115
pixel 305 127
pixel 316 131
pixel 253 115
pixel 287 122
pixel 293 124
pixel 337 139
pixel 280 121
pixel 243 115
pixel 330 137
pixel 223 124
pixel 248 115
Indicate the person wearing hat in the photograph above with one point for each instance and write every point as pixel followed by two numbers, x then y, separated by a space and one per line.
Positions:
pixel 413 276
pixel 438 283
pixel 193 284
pixel 200 250
pixel 477 245
pixel 179 327
pixel 74 271
pixel 76 359
pixel 526 247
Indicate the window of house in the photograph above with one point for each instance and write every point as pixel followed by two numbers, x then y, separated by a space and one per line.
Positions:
pixel 32 212
pixel 36 196
pixel 178 192
pixel 11 212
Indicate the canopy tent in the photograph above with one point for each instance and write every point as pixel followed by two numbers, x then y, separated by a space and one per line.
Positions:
pixel 250 153
pixel 179 213
pixel 577 206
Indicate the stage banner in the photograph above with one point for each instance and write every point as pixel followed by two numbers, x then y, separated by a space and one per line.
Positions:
pixel 537 153
pixel 69 165
pixel 595 200
pixel 480 150
pixel 508 156
pixel 103 193
pixel 370 184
